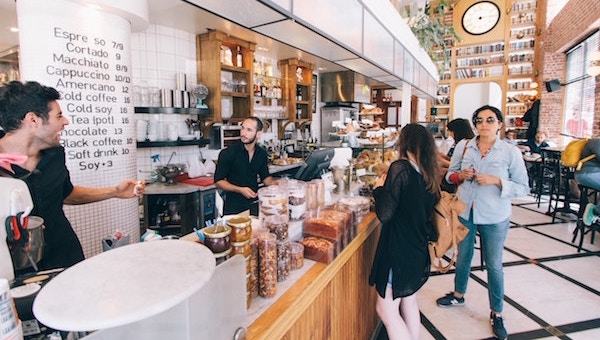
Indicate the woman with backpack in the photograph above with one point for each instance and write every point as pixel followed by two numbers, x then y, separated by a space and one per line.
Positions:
pixel 404 201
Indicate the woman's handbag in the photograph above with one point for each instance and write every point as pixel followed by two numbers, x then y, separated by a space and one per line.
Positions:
pixel 448 229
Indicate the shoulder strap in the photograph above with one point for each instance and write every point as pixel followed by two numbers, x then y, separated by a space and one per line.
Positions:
pixel 465 149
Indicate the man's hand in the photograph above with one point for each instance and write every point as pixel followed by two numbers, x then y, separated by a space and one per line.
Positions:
pixel 248 192
pixel 130 188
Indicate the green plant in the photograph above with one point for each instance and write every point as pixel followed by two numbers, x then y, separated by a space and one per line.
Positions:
pixel 435 36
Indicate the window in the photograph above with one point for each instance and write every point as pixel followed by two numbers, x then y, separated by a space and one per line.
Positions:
pixel 578 115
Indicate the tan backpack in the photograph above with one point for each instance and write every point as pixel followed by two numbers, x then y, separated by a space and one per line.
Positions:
pixel 448 229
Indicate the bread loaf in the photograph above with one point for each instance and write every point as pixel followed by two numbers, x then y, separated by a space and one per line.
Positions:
pixel 318 249
pixel 324 227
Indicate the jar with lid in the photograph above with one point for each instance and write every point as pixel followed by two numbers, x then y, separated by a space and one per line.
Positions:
pixel 297 255
pixel 242 248
pixel 267 265
pixel 216 238
pixel 254 266
pixel 320 191
pixel 278 225
pixel 241 228
pixel 297 198
pixel 222 257
pixel 272 200
pixel 283 259
pixel 312 201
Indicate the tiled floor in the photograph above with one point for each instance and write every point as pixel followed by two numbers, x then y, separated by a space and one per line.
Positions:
pixel 551 290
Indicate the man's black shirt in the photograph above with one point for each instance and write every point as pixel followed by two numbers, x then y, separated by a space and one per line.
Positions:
pixel 233 166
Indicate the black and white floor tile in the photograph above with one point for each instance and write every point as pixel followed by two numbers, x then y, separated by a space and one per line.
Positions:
pixel 552 291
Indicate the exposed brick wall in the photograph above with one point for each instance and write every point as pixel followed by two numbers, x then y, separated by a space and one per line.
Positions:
pixel 566 29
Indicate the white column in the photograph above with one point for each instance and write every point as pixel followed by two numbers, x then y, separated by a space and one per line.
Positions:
pixel 83 51
pixel 405 112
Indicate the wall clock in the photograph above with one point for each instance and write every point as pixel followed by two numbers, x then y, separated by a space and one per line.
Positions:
pixel 481 17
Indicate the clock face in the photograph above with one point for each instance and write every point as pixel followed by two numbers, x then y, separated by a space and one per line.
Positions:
pixel 481 17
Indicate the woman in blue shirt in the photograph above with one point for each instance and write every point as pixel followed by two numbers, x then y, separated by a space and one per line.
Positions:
pixel 489 173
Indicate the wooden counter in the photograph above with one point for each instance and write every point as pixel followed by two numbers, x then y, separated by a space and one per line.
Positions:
pixel 331 301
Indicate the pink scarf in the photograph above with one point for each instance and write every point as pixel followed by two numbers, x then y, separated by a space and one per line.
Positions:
pixel 6 159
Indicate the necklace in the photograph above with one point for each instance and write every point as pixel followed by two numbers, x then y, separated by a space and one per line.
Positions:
pixel 483 152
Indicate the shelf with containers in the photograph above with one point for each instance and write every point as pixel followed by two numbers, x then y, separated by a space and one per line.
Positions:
pixel 268 97
pixel 224 65
pixel 189 139
pixel 296 91
pixel 521 63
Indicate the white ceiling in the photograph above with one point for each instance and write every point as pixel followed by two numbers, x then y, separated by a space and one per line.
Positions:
pixel 184 16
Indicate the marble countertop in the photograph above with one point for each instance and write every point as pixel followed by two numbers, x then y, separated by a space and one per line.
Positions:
pixel 124 285
pixel 179 188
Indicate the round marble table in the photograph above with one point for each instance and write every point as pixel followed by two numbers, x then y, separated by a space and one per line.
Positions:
pixel 124 285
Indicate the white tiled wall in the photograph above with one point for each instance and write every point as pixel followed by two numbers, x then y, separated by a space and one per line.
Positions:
pixel 157 55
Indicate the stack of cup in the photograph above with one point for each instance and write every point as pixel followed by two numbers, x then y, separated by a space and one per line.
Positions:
pixel 141 130
pixel 153 126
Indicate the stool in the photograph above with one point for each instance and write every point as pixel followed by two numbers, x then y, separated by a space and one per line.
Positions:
pixel 562 192
pixel 547 176
pixel 581 228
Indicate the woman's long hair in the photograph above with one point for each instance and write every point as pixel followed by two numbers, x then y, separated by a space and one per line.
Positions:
pixel 461 128
pixel 419 141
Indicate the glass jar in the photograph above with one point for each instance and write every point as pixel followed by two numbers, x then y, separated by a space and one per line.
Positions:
pixel 278 225
pixel 312 202
pixel 241 228
pixel 222 257
pixel 272 200
pixel 297 199
pixel 254 266
pixel 320 191
pixel 242 248
pixel 283 259
pixel 267 265
pixel 216 238
pixel 297 255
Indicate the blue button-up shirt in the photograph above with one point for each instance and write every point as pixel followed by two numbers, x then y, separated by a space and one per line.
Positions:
pixel 490 203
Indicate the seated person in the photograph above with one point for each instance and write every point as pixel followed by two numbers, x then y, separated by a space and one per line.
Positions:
pixel 589 176
pixel 535 145
pixel 511 137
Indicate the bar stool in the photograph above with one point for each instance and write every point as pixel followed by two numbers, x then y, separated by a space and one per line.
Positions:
pixel 562 192
pixel 581 228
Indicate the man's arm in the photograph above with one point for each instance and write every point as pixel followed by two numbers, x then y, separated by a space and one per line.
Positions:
pixel 126 189
pixel 226 186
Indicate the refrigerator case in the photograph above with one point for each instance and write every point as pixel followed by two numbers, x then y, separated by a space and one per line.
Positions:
pixel 330 114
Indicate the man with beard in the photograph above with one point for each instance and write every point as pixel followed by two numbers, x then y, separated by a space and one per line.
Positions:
pixel 238 167
pixel 31 122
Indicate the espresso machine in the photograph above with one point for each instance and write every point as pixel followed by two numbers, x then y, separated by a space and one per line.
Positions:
pixel 15 206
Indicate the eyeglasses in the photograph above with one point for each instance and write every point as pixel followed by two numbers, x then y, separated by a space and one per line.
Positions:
pixel 489 120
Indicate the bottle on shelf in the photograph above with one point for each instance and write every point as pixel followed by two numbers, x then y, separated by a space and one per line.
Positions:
pixel 298 113
pixel 238 57
pixel 298 93
pixel 278 93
